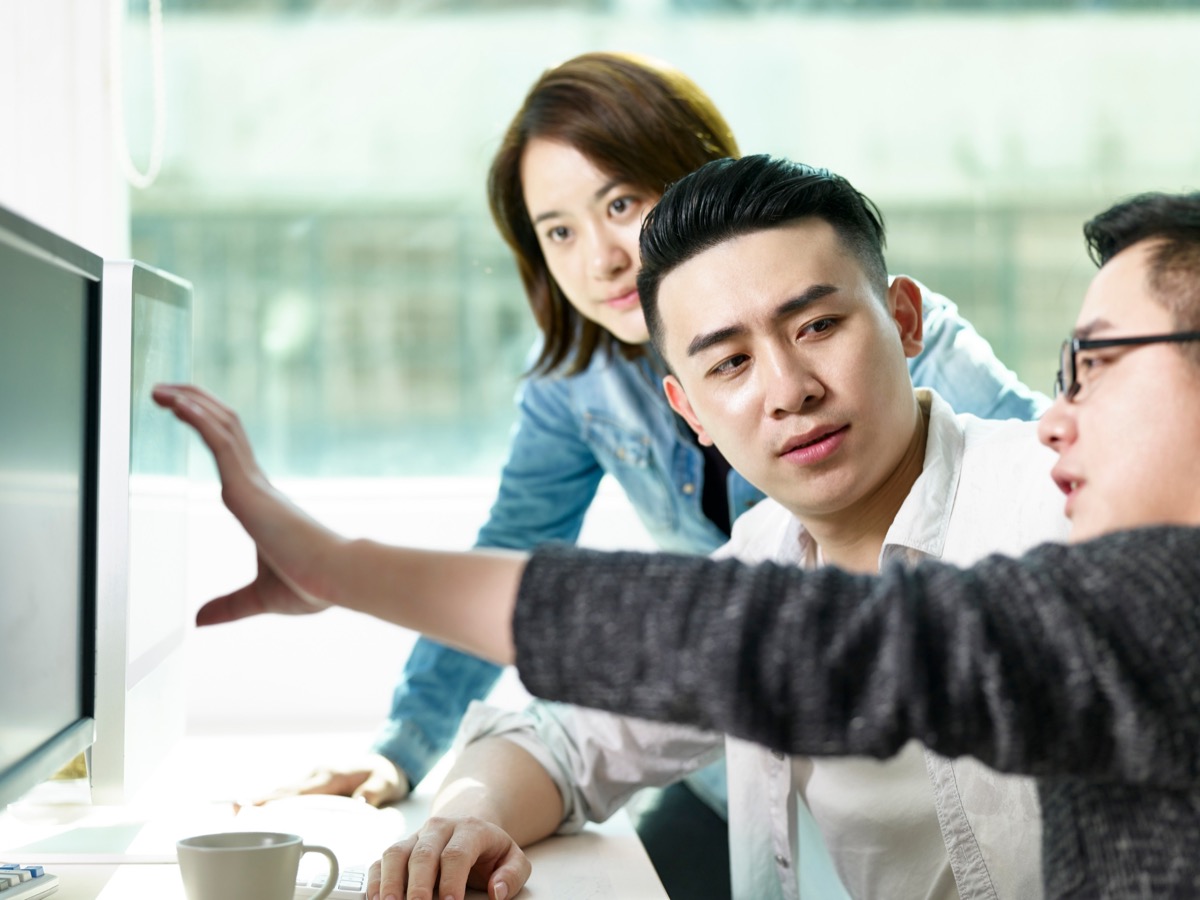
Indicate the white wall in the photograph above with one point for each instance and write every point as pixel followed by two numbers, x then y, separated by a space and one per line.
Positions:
pixel 56 162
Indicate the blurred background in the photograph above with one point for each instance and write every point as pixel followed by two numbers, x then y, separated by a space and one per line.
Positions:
pixel 323 177
pixel 316 168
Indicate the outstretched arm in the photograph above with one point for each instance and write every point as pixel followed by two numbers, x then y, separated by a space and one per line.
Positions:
pixel 1078 660
pixel 1074 660
pixel 462 599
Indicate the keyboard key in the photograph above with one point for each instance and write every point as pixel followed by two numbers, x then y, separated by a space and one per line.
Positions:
pixel 351 885
pixel 20 882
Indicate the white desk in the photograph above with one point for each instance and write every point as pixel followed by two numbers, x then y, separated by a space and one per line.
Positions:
pixel 191 794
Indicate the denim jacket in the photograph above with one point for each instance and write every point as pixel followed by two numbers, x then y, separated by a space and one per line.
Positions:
pixel 613 419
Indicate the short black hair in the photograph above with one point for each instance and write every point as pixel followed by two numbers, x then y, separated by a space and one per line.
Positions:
pixel 1172 223
pixel 727 198
pixel 1170 217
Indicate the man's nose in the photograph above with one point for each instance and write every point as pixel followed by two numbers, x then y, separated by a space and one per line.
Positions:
pixel 1056 428
pixel 790 384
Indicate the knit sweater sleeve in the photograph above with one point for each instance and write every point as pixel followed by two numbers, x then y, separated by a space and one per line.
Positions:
pixel 1081 660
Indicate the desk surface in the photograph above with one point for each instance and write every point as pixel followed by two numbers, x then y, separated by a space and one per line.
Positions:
pixel 191 795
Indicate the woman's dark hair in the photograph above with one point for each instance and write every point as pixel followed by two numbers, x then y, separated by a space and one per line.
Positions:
pixel 635 119
pixel 732 197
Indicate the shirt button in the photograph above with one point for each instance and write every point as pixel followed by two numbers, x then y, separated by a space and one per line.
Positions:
pixel 620 453
pixel 689 488
pixel 783 861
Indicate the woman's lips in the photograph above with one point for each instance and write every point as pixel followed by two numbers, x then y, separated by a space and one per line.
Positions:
pixel 624 301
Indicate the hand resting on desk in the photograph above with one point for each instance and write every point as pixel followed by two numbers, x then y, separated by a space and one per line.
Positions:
pixel 370 777
pixel 496 799
pixel 448 855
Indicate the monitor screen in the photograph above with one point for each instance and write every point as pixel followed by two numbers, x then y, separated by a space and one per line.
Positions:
pixel 49 291
pixel 158 470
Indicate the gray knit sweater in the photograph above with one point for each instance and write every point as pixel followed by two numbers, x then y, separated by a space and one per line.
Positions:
pixel 1078 665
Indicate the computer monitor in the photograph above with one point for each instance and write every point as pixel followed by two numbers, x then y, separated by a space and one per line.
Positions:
pixel 49 363
pixel 143 616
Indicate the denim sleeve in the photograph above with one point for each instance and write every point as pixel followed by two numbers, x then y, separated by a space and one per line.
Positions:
pixel 962 367
pixel 546 487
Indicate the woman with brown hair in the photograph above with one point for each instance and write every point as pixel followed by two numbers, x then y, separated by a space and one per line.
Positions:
pixel 596 141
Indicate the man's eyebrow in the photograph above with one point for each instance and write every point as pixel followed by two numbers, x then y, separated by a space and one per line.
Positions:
pixel 603 189
pixel 1083 332
pixel 702 342
pixel 810 296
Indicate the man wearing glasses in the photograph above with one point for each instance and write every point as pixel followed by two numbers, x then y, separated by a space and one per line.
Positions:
pixel 1097 694
pixel 1129 377
pixel 1078 665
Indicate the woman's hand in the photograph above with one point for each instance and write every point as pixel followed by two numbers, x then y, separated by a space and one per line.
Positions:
pixel 371 777
pixel 445 857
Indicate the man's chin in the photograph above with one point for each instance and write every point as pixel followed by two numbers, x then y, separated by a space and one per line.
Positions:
pixel 1085 529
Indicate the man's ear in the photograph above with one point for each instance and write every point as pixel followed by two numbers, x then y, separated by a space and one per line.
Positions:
pixel 905 305
pixel 680 403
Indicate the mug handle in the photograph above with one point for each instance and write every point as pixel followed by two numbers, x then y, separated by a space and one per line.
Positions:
pixel 334 871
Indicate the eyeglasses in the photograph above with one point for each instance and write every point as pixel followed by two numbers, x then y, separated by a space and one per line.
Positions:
pixel 1067 383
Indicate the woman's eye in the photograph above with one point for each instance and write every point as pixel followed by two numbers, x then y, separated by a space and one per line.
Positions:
pixel 558 234
pixel 621 205
pixel 1089 362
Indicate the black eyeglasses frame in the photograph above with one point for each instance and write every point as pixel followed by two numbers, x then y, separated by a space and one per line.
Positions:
pixel 1073 345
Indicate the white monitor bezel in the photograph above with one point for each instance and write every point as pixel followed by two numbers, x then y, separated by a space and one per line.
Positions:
pixel 139 702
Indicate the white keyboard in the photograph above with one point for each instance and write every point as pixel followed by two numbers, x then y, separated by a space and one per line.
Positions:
pixel 352 882
pixel 26 882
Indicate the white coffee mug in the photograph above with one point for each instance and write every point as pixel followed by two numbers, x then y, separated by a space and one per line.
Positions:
pixel 247 865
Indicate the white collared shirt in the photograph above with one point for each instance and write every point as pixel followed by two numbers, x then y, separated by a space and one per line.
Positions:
pixel 914 826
